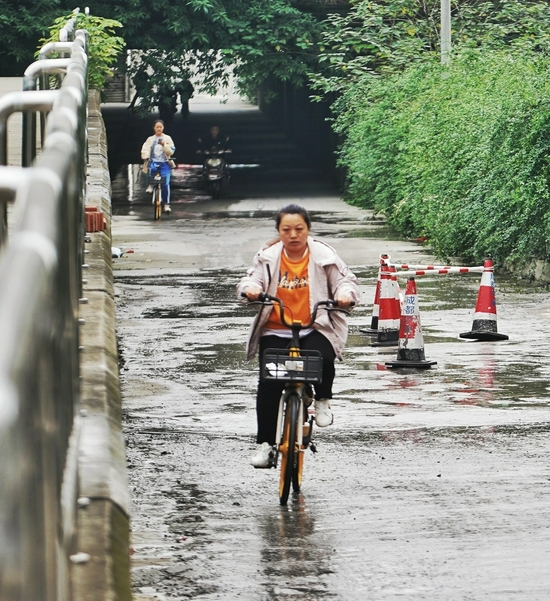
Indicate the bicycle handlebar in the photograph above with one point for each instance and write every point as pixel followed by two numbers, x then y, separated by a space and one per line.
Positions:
pixel 328 305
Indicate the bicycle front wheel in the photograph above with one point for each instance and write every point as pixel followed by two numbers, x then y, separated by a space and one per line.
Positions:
pixel 289 447
pixel 157 202
pixel 299 467
pixel 297 472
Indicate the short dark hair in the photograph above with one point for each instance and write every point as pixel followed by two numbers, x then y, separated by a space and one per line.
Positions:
pixel 292 209
pixel 158 121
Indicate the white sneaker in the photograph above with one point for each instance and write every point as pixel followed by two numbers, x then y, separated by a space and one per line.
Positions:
pixel 149 189
pixel 323 414
pixel 264 456
pixel 167 209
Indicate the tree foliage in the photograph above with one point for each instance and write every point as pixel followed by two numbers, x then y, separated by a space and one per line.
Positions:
pixel 457 153
pixel 22 24
pixel 384 36
pixel 258 40
pixel 104 45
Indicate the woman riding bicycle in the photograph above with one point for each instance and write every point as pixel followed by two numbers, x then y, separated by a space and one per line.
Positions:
pixel 301 271
pixel 158 149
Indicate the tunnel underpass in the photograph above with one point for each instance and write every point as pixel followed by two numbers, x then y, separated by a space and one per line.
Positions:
pixel 262 148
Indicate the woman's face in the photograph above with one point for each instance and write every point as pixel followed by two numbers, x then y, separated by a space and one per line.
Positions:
pixel 159 128
pixel 293 231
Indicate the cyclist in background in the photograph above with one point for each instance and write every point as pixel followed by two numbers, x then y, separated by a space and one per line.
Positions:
pixel 158 149
pixel 300 270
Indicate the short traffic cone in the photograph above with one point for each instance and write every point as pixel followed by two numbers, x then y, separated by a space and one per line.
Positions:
pixel 375 311
pixel 485 316
pixel 388 320
pixel 411 342
pixel 376 303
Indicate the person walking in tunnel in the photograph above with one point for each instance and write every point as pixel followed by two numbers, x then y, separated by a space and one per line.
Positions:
pixel 301 270
pixel 157 150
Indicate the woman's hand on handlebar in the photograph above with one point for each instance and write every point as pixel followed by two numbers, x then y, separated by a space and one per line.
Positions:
pixel 344 300
pixel 252 293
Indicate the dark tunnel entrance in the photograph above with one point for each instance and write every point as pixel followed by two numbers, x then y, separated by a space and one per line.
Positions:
pixel 283 140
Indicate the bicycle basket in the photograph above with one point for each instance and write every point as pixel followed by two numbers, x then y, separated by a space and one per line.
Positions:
pixel 277 364
pixel 154 179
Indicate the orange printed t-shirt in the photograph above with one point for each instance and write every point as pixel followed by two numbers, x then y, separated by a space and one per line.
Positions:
pixel 293 290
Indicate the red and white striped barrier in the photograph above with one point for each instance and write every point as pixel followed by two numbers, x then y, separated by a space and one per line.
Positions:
pixel 413 267
pixel 388 301
pixel 442 271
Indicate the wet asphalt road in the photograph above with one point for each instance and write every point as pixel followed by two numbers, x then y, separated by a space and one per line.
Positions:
pixel 431 485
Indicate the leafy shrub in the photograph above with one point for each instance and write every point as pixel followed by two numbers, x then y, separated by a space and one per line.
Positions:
pixel 459 153
pixel 104 45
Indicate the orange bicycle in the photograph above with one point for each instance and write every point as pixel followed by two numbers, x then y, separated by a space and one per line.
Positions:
pixel 157 181
pixel 299 369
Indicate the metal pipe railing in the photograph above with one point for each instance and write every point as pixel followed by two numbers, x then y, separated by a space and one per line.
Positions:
pixel 67 32
pixel 23 101
pixel 10 180
pixel 62 48
pixel 40 271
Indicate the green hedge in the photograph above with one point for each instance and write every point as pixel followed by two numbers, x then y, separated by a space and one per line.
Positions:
pixel 459 154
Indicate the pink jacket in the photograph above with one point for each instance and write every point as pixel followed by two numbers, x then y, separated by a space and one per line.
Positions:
pixel 328 275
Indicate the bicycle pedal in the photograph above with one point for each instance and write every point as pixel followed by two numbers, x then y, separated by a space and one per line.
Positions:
pixel 307 396
pixel 312 447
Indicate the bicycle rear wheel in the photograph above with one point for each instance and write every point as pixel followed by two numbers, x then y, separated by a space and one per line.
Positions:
pixel 157 202
pixel 289 447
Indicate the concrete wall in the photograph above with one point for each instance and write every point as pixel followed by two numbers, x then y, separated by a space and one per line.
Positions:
pixel 535 270
pixel 103 516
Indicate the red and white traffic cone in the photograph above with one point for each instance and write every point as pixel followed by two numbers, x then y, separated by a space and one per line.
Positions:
pixel 396 289
pixel 375 311
pixel 485 316
pixel 411 342
pixel 388 320
pixel 376 303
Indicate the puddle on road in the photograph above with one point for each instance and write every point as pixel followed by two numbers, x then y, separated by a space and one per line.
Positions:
pixel 464 436
pixel 294 563
pixel 461 377
pixel 204 525
pixel 185 313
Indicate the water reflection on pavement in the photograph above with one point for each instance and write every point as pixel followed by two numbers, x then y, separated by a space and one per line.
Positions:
pixel 431 484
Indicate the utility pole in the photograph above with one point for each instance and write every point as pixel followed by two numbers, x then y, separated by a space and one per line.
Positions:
pixel 445 32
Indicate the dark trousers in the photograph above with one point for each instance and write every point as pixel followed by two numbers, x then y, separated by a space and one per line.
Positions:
pixel 269 393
